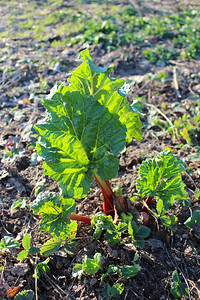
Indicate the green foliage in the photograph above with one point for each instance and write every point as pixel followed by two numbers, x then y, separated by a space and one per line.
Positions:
pixel 54 212
pixel 138 234
pixel 169 221
pixel 42 267
pixel 7 242
pixel 25 295
pixel 159 55
pixel 178 288
pixel 88 266
pixel 75 143
pixel 187 127
pixel 28 249
pixel 21 203
pixel 160 177
pixel 101 222
pixel 110 292
pixel 126 271
pixel 193 222
pixel 65 240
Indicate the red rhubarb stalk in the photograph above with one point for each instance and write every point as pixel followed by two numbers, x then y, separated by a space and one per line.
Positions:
pixel 108 205
pixel 148 202
pixel 83 219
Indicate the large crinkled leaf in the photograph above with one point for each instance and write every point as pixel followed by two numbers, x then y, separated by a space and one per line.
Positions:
pixel 54 213
pixel 79 137
pixel 161 176
pixel 92 80
pixel 54 244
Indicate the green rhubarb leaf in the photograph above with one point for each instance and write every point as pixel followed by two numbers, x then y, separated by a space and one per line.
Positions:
pixel 92 80
pixel 79 138
pixel 160 176
pixel 54 213
pixel 54 244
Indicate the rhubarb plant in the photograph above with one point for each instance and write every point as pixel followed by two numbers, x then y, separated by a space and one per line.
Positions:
pixel 87 125
pixel 160 178
pixel 55 215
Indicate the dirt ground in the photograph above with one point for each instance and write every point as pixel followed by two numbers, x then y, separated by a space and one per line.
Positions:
pixel 23 70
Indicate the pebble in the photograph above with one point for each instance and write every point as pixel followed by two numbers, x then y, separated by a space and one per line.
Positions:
pixel 185 236
pixel 19 117
pixel 115 253
pixel 93 281
pixel 20 269
pixel 10 278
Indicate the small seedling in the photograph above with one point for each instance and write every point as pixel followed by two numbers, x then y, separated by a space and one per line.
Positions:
pixel 21 203
pixel 6 243
pixel 193 222
pixel 88 266
pixel 178 288
pixel 110 292
pixel 100 222
pixel 42 267
pixel 28 249
pixel 160 178
pixel 25 295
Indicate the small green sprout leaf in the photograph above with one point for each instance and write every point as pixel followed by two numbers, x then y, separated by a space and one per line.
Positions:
pixel 7 242
pixel 42 267
pixel 138 234
pixel 77 271
pixel 194 222
pixel 88 266
pixel 129 271
pixel 91 266
pixel 178 288
pixel 25 295
pixel 21 203
pixel 110 292
pixel 22 255
pixel 26 242
pixel 169 221
pixel 113 233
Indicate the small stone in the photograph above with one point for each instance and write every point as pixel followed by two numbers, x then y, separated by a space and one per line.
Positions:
pixel 115 253
pixel 93 281
pixel 20 269
pixel 19 116
pixel 56 68
pixel 10 278
pixel 185 236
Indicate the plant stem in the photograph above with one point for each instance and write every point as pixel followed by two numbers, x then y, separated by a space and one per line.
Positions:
pixel 83 219
pixel 148 202
pixel 108 204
